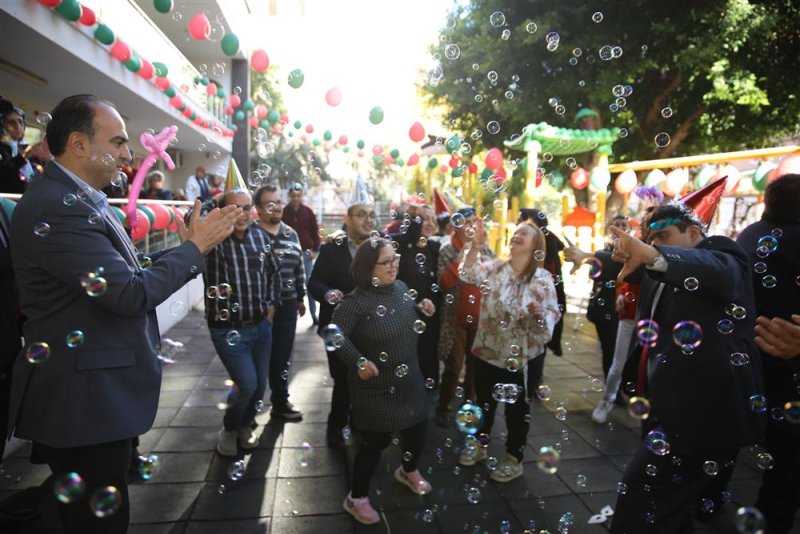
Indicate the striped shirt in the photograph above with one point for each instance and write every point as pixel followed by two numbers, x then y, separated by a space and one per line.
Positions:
pixel 287 248
pixel 250 268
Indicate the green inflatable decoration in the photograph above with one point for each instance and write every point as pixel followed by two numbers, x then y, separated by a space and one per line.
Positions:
pixel 394 153
pixel 163 6
pixel 376 159
pixel 161 69
pixel 457 172
pixel 556 179
pixel 151 215
pixel 221 93
pixel 486 174
pixel 328 135
pixel 230 44
pixel 264 124
pixel 296 78
pixel 273 116
pixel 70 10
pixel 134 63
pixel 360 144
pixel 400 162
pixel 290 133
pixel 204 80
pixel 169 91
pixel 104 34
pixel 239 115
pixel 453 144
pixel 761 175
pixel 298 125
pixel 119 214
pixel 433 163
pixel 316 142
pixel 248 105
pixel 376 115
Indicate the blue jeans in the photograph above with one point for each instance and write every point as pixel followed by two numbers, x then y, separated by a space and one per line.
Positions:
pixel 284 324
pixel 247 363
pixel 312 304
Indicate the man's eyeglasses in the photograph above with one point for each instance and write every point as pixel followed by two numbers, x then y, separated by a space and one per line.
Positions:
pixel 388 263
pixel 248 208
pixel 270 206
pixel 365 215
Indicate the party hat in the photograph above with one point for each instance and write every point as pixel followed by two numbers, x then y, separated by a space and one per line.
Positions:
pixel 704 201
pixel 234 179
pixel 440 203
pixel 360 194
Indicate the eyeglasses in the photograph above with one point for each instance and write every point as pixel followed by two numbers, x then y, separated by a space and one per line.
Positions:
pixel 388 263
pixel 246 209
pixel 271 206
pixel 365 215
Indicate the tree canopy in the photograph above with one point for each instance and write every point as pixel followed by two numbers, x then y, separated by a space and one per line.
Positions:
pixel 712 75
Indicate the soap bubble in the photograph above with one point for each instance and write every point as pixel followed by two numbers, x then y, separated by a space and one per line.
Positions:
pixel 105 501
pixel 725 326
pixel 94 284
pixel 334 339
pixel 769 242
pixel 595 268
pixel 236 470
pixel 647 332
pixel 548 460
pixel 473 495
pixel 74 339
pixel 739 358
pixel 147 465
pixel 401 370
pixel 469 418
pixel 597 17
pixel 662 139
pixel 419 326
pixel 497 19
pixel 457 220
pixel 41 229
pixel 711 468
pixel 69 487
pixel 769 281
pixel 656 442
pixel 37 353
pixel 233 337
pixel 691 283
pixel 749 520
pixel 544 392
pixel 758 403
pixel 452 51
pixel 765 461
pixel 687 334
pixel 639 407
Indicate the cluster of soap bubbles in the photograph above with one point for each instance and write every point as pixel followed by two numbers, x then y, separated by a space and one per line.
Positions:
pixel 170 350
pixel 469 418
pixel 333 337
pixel 507 393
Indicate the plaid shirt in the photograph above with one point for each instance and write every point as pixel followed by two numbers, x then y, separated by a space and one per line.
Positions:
pixel 250 267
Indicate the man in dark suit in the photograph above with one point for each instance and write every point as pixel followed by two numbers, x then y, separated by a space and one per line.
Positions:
pixel 88 379
pixel 155 188
pixel 330 280
pixel 773 247
pixel 10 322
pixel 702 378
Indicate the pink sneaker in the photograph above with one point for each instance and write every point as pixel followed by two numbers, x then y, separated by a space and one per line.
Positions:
pixel 361 509
pixel 413 480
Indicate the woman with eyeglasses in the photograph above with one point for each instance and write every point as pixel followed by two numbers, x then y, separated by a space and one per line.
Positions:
pixel 518 312
pixel 378 325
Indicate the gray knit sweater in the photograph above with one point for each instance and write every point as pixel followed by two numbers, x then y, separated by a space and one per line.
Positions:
pixel 393 400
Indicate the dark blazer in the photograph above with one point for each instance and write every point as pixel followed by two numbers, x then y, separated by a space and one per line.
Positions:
pixel 10 319
pixel 10 180
pixel 106 389
pixel 331 271
pixel 702 401
pixel 161 194
pixel 409 270
pixel 600 309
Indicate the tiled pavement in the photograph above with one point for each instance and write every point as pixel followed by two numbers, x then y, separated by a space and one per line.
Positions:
pixel 279 493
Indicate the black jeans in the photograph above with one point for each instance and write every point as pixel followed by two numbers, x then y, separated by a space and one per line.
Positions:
pixel 486 376
pixel 284 324
pixel 369 454
pixel 427 346
pixel 535 373
pixel 664 502
pixel 340 398
pixel 607 334
pixel 100 465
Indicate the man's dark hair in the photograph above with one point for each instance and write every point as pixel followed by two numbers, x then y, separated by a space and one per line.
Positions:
pixel 782 198
pixel 73 114
pixel 534 215
pixel 365 259
pixel 261 191
pixel 673 214
pixel 352 209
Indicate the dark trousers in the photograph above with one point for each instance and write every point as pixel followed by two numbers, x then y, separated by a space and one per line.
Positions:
pixel 369 454
pixel 460 355
pixel 340 398
pixel 535 374
pixel 101 465
pixel 607 334
pixel 668 506
pixel 486 376
pixel 308 264
pixel 284 324
pixel 427 349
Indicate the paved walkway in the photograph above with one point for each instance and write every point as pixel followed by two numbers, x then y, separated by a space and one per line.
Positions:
pixel 287 490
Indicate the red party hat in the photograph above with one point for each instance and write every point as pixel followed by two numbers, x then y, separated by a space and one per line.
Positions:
pixel 440 203
pixel 704 201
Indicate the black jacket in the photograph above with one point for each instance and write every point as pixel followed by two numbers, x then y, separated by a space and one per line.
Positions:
pixel 702 401
pixel 409 271
pixel 10 181
pixel 331 271
pixel 601 304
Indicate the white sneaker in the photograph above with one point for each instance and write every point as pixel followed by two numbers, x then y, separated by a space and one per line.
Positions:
pixel 600 414
pixel 509 469
pixel 248 438
pixel 472 456
pixel 226 443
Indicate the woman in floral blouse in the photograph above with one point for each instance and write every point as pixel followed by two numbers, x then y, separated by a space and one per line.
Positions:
pixel 518 312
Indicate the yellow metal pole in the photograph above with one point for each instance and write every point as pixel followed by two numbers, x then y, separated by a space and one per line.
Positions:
pixel 513 213
pixel 703 159
pixel 564 208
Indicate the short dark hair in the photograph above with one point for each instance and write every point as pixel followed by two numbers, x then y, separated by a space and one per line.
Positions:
pixel 536 216
pixel 73 114
pixel 674 213
pixel 782 198
pixel 261 191
pixel 365 259
pixel 351 209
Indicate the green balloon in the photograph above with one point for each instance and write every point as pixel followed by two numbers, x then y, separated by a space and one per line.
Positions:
pixel 486 174
pixel 264 123
pixel 248 105
pixel 296 78
pixel 182 107
pixel 230 44
pixel 163 6
pixel 316 142
pixel 432 163
pixel 70 10
pixel 239 115
pixel 556 179
pixel 104 34
pixel 169 91
pixel 453 144
pixel 761 174
pixel 193 116
pixel 376 115
pixel 204 80
pixel 376 159
pixel 273 116
pixel 290 133
pixel 298 125
pixel 346 149
pixel 134 63
pixel 327 135
pixel 118 213
pixel 400 162
pixel 151 215
pixel 458 171
pixel 160 68
pixel 221 93
pixel 360 144
pixel 394 153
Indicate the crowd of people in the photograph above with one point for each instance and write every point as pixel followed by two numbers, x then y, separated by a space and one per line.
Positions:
pixel 699 335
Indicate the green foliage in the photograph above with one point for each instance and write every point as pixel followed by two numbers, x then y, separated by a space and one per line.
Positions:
pixel 727 69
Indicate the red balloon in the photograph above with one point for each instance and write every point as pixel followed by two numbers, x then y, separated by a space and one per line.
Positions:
pixel 413 160
pixel 388 159
pixel 163 83
pixel 142 227
pixel 377 149
pixel 162 216
pixel 211 89
pixel 494 158
pixel 442 168
pixel 88 18
pixel 187 112
pixel 253 122
pixel 333 97
pixel 236 100
pixel 579 178
pixel 416 132
pixel 342 140
pixel 199 26
pixel 121 51
pixel 472 168
pixel 454 162
pixel 261 111
pixel 50 3
pixel 309 129
pixel 229 110
pixel 284 118
pixel 276 129
pixel 789 165
pixel 626 182
pixel 176 101
pixel 146 71
pixel 259 60
pixel 500 175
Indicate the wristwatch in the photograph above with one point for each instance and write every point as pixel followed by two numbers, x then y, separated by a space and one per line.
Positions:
pixel 660 264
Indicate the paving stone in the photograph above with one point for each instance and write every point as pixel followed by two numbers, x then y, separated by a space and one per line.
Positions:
pixel 259 464
pixel 310 462
pixel 601 474
pixel 187 439
pixel 572 448
pixel 172 383
pixel 172 398
pixel 292 496
pixel 242 526
pixel 465 517
pixel 241 499
pixel 184 368
pixel 181 467
pixel 158 528
pixel 19 473
pixel 312 433
pixel 157 503
pixel 164 416
pixel 545 513
pixel 315 524
pixel 198 416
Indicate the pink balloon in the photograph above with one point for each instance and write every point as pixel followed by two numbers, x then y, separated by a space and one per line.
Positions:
pixel 377 149
pixel 211 89
pixel 413 160
pixel 579 179
pixel 253 122
pixel 333 97
pixel 140 225
pixel 342 140
pixel 494 158
pixel 309 129
pixel 360 153
pixel 790 165
pixel 442 168
pixel 675 181
pixel 236 100
pixel 259 60
pixel 261 111
pixel 121 51
pixel 416 132
pixel 199 26
pixel 626 182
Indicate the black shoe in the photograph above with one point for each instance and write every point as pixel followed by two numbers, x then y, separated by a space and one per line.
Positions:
pixel 555 348
pixel 335 439
pixel 285 410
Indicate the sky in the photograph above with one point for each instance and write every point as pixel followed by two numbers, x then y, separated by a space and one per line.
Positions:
pixel 372 51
